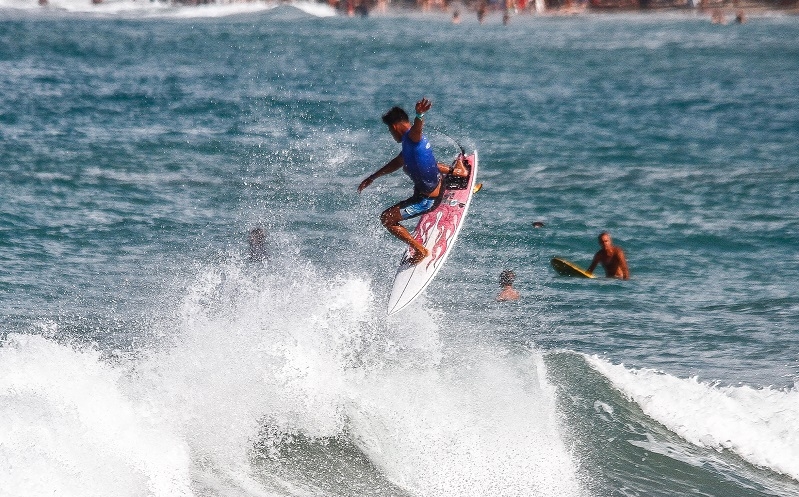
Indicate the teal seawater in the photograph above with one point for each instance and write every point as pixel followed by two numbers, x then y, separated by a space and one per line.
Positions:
pixel 138 152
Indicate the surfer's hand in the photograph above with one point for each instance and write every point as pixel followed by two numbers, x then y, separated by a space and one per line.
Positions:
pixel 365 183
pixel 458 169
pixel 423 106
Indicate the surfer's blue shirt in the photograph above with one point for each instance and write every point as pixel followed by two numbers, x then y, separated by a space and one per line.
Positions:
pixel 420 164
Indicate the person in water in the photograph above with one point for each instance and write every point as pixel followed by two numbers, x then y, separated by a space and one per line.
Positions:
pixel 417 161
pixel 611 257
pixel 257 242
pixel 506 279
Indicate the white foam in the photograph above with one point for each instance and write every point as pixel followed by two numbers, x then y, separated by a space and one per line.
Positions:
pixel 485 426
pixel 243 352
pixel 758 424
pixel 109 7
pixel 250 352
pixel 315 8
pixel 66 428
pixel 314 354
pixel 147 8
pixel 213 10
pixel 256 353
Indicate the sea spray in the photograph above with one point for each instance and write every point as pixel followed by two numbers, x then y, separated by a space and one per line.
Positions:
pixel 251 350
pixel 67 428
pixel 247 353
pixel 482 422
pixel 260 357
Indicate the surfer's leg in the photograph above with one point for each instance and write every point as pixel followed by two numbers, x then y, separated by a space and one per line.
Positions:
pixel 391 218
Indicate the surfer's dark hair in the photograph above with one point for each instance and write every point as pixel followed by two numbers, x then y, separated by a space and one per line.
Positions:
pixel 394 116
pixel 506 277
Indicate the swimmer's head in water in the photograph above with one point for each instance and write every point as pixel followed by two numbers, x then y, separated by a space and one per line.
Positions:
pixel 507 277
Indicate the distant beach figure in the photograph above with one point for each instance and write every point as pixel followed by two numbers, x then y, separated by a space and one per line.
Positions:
pixel 611 257
pixel 456 17
pixel 740 17
pixel 718 17
pixel 362 10
pixel 481 11
pixel 257 242
pixel 506 279
pixel 509 6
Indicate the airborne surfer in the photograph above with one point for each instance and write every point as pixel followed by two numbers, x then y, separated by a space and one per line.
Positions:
pixel 417 161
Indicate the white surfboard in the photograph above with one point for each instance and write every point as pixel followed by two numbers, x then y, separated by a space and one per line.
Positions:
pixel 437 230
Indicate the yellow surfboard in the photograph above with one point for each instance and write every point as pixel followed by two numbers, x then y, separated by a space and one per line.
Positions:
pixel 566 268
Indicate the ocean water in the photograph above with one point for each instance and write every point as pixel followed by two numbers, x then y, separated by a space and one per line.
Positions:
pixel 144 354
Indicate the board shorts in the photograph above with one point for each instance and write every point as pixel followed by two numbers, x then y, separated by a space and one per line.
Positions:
pixel 418 205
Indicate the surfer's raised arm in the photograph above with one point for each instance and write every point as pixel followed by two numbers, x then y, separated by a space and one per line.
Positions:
pixel 422 106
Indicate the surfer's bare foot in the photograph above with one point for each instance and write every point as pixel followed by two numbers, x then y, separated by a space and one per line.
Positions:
pixel 458 169
pixel 418 256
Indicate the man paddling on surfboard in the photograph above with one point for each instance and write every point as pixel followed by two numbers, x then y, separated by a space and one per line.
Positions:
pixel 419 163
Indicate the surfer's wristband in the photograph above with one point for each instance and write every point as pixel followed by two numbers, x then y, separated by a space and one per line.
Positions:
pixel 420 116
